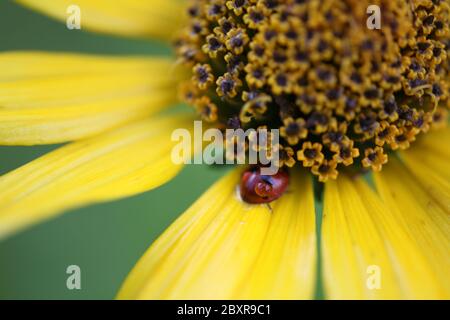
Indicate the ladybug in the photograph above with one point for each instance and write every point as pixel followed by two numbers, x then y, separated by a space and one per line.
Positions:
pixel 256 188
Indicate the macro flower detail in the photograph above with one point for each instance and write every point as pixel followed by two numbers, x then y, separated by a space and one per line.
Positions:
pixel 202 76
pixel 310 154
pixel 364 160
pixel 322 70
pixel 374 158
pixel 206 109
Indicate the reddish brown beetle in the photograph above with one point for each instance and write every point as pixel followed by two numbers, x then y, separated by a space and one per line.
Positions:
pixel 256 188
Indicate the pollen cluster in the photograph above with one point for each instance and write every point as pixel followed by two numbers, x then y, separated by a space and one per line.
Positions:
pixel 341 93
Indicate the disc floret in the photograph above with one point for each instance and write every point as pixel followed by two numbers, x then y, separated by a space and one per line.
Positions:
pixel 342 95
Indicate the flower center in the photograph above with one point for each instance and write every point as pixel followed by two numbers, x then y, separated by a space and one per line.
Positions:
pixel 340 93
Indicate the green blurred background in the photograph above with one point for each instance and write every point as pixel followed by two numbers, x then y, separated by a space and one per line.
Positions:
pixel 104 240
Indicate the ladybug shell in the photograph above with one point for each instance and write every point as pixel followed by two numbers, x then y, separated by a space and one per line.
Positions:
pixel 273 186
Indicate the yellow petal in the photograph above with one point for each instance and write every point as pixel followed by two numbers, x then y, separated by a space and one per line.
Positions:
pixel 432 151
pixel 351 244
pixel 51 98
pixel 424 212
pixel 429 161
pixel 221 248
pixel 368 249
pixel 121 163
pixel 155 18
pixel 436 141
pixel 432 172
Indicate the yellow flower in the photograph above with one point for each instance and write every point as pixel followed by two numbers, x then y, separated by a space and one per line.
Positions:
pixel 107 109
